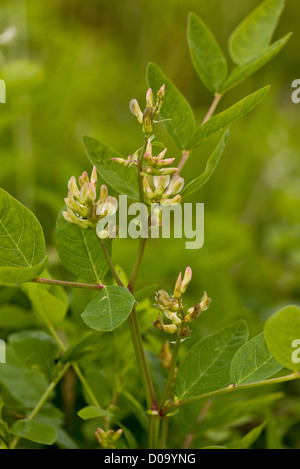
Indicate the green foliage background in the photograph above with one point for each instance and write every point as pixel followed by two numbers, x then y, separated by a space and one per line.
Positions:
pixel 72 70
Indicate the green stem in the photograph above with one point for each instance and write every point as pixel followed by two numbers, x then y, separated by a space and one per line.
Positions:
pixel 63 283
pixel 137 265
pixel 154 424
pixel 164 432
pixel 111 266
pixel 228 390
pixel 140 169
pixel 43 400
pixel 212 108
pixel 141 359
pixel 170 379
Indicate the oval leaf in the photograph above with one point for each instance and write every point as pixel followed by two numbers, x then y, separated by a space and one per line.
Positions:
pixel 207 56
pixel 182 124
pixel 206 367
pixel 109 310
pixel 80 250
pixel 210 167
pixel 22 247
pixel 35 431
pixel 281 330
pixel 235 112
pixel 253 362
pixel 123 180
pixel 93 412
pixel 254 34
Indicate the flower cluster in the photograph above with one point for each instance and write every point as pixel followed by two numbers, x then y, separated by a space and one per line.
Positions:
pixel 173 310
pixel 108 439
pixel 83 209
pixel 152 109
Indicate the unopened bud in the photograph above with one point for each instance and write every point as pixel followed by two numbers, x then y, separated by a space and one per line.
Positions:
pixel 72 186
pixel 149 99
pixel 174 201
pixel 205 301
pixel 83 179
pixel 178 286
pixel 147 189
pixel 186 279
pixel 120 161
pixel 147 120
pixel 160 183
pixel 88 193
pixel 165 171
pixel 160 99
pixel 94 176
pixel 103 193
pixel 175 186
pixel 184 332
pixel 136 110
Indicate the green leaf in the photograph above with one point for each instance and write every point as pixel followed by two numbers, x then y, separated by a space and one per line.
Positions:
pixel 35 431
pixel 182 124
pixel 207 56
pixel 13 317
pixel 109 310
pixel 209 169
pixel 80 250
pixel 22 248
pixel 36 350
pixel 253 362
pixel 206 367
pixel 254 34
pixel 92 342
pixel 251 437
pixel 123 180
pixel 92 412
pixel 225 118
pixel 242 72
pixel 51 304
pixel 281 330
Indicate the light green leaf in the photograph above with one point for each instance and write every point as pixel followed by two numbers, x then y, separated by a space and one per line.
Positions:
pixel 253 362
pixel 123 180
pixel 225 118
pixel 80 250
pixel 281 330
pixel 182 124
pixel 254 34
pixel 22 247
pixel 36 350
pixel 242 72
pixel 35 431
pixel 51 304
pixel 207 56
pixel 109 310
pixel 206 367
pixel 210 167
pixel 92 412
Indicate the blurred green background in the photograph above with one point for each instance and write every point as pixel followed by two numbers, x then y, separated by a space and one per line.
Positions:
pixel 72 69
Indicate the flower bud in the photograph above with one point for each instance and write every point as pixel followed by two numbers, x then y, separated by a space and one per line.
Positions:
pixel 83 179
pixel 94 176
pixel 165 162
pixel 88 193
pixel 165 171
pixel 147 189
pixel 186 279
pixel 174 201
pixel 169 328
pixel 108 208
pixel 175 186
pixel 136 110
pixel 149 99
pixel 147 120
pixel 178 286
pixel 160 183
pixel 184 332
pixel 205 301
pixel 72 186
pixel 120 161
pixel 173 317
pixel 103 193
pixel 160 99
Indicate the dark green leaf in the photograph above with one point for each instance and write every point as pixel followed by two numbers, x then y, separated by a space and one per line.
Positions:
pixel 124 180
pixel 80 250
pixel 254 34
pixel 182 124
pixel 207 56
pixel 225 118
pixel 22 248
pixel 206 367
pixel 210 167
pixel 35 431
pixel 242 72
pixel 253 362
pixel 109 310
